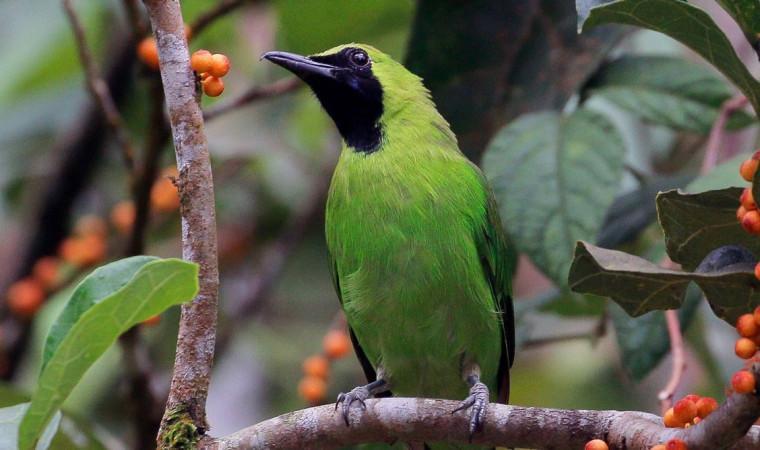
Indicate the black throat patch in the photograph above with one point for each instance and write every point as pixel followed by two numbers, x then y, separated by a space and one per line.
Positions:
pixel 353 99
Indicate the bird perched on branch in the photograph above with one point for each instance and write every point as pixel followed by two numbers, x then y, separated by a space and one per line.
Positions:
pixel 417 252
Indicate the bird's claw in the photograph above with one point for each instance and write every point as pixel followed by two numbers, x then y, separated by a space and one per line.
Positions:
pixel 345 400
pixel 477 401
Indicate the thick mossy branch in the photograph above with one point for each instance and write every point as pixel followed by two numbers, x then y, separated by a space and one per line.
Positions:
pixel 179 430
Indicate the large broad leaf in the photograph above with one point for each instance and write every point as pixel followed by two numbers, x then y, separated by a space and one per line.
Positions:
pixel 686 23
pixel 640 286
pixel 644 341
pixel 667 91
pixel 10 419
pixel 100 284
pixel 696 224
pixel 156 286
pixel 554 177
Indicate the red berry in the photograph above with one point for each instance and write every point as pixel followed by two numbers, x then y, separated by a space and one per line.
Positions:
pixel 745 348
pixel 705 406
pixel 692 398
pixel 748 168
pixel 746 326
pixel 675 444
pixel 740 213
pixel 743 382
pixel 596 444
pixel 685 410
pixel 747 199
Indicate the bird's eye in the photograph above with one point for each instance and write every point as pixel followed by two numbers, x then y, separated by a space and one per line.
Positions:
pixel 359 58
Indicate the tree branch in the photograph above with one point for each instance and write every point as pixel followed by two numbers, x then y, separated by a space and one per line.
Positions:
pixel 99 89
pixel 253 94
pixel 186 404
pixel 415 420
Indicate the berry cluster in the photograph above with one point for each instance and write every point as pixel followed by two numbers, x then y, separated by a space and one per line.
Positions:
pixel 211 69
pixel 689 411
pixel 316 368
pixel 746 347
pixel 747 213
pixel 85 247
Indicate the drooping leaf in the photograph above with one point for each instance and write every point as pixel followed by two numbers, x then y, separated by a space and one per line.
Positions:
pixel 100 284
pixel 686 23
pixel 554 177
pixel 644 341
pixel 666 90
pixel 640 286
pixel 696 224
pixel 156 286
pixel 10 419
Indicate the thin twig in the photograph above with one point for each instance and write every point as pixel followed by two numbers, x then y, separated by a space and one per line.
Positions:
pixel 220 9
pixel 99 88
pixel 197 329
pixel 679 360
pixel 418 420
pixel 717 132
pixel 279 87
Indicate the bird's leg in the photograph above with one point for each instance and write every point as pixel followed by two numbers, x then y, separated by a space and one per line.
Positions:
pixel 477 400
pixel 361 393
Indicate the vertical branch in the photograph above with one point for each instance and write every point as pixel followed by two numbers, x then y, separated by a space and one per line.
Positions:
pixel 185 414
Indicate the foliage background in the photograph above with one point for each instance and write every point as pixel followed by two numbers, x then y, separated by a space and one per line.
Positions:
pixel 268 157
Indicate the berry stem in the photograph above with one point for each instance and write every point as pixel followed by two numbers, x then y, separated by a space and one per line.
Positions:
pixel 679 360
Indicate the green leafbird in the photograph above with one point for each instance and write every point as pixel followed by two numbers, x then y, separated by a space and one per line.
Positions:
pixel 417 250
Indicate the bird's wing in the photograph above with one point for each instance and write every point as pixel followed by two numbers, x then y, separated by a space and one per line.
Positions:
pixel 369 371
pixel 499 261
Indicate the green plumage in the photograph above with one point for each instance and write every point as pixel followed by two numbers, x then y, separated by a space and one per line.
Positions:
pixel 417 249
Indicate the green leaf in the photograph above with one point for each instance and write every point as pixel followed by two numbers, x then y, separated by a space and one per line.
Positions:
pixel 100 284
pixel 644 341
pixel 10 419
pixel 554 177
pixel 724 175
pixel 747 14
pixel 686 23
pixel 640 286
pixel 666 90
pixel 156 286
pixel 696 224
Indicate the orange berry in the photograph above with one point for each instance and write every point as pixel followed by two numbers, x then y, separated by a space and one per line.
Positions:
pixel 220 65
pixel 47 271
pixel 201 61
pixel 743 382
pixel 213 86
pixel 747 199
pixel 748 168
pixel 596 444
pixel 336 344
pixel 312 389
pixel 675 444
pixel 658 447
pixel 745 348
pixel 83 251
pixel 692 398
pixel 204 75
pixel 152 321
pixel 25 297
pixel 670 420
pixel 705 406
pixel 757 275
pixel 756 314
pixel 746 326
pixel 91 224
pixel 751 222
pixel 123 216
pixel 685 410
pixel 147 51
pixel 316 366
pixel 164 196
pixel 740 212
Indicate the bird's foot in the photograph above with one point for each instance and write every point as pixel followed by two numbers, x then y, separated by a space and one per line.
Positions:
pixel 356 395
pixel 477 402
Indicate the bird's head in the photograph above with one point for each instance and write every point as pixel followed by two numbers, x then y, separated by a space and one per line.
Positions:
pixel 359 86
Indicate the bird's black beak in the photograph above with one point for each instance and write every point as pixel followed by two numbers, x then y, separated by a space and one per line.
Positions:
pixel 303 66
